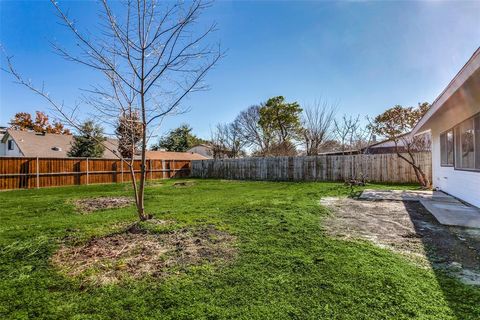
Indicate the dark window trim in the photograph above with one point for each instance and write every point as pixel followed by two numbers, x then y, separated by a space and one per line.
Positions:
pixel 10 145
pixel 455 143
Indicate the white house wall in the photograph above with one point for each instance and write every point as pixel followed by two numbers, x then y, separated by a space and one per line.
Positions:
pixel 461 184
pixel 464 185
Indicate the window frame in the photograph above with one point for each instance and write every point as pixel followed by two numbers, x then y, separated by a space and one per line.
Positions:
pixel 452 164
pixel 455 137
pixel 10 145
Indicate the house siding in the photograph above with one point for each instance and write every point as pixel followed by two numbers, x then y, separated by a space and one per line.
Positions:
pixel 10 153
pixel 202 150
pixel 464 185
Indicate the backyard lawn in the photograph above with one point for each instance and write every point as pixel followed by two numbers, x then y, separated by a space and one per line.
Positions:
pixel 264 255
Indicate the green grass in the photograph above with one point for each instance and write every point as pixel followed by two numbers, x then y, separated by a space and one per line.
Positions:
pixel 286 268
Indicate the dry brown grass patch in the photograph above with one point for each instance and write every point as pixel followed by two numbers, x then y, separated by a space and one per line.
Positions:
pixel 93 204
pixel 136 253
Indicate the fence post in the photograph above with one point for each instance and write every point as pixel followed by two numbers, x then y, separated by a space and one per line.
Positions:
pixel 38 173
pixel 163 169
pixel 150 166
pixel 87 171
pixel 121 166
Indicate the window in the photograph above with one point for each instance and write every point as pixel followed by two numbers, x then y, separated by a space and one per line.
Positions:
pixel 10 144
pixel 467 144
pixel 446 148
pixel 477 141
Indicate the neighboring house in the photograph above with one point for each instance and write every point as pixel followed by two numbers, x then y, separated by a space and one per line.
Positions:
pixel 205 150
pixel 16 143
pixel 210 152
pixel 454 123
pixel 382 147
pixel 388 146
pixel 170 155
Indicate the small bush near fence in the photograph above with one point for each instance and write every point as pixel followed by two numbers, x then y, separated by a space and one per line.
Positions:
pixel 374 167
pixel 24 173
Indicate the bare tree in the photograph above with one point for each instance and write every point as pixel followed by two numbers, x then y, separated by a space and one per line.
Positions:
pixel 151 54
pixel 251 133
pixel 226 141
pixel 354 139
pixel 345 129
pixel 317 124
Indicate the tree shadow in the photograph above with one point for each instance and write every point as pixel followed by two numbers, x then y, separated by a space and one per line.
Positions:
pixel 180 171
pixel 453 252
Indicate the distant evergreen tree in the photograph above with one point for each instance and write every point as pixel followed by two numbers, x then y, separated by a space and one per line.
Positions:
pixel 89 143
pixel 180 139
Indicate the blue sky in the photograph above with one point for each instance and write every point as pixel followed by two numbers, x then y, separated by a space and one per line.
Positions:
pixel 367 56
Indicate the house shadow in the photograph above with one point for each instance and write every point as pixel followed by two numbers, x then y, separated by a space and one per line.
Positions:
pixel 25 175
pixel 179 172
pixel 77 173
pixel 452 252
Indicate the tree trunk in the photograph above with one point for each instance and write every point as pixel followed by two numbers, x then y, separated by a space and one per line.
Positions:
pixel 135 188
pixel 143 175
pixel 421 176
pixel 141 188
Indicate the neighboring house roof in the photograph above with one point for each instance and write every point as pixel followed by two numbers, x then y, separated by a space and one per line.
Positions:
pixel 202 145
pixel 169 155
pixel 35 144
pixel 388 142
pixel 384 146
pixel 472 65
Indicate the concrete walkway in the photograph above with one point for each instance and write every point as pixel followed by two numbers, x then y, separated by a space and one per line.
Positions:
pixel 445 208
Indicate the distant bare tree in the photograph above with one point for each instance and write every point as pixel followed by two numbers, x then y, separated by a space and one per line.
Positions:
pixel 251 133
pixel 354 139
pixel 226 141
pixel 151 55
pixel 317 124
pixel 345 130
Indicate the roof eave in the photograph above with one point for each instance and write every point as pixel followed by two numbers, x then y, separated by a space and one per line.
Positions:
pixel 465 72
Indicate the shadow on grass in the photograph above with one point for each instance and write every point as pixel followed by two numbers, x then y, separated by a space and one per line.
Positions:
pixel 451 251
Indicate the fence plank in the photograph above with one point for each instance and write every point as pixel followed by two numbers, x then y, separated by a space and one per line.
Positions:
pixel 375 168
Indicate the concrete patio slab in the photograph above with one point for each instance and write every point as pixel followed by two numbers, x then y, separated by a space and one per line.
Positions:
pixel 405 195
pixel 453 214
pixel 445 208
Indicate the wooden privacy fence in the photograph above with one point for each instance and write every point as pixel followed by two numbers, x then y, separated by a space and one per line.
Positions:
pixel 375 168
pixel 24 173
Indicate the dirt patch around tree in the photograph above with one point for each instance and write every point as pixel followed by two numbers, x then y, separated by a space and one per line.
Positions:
pixel 101 203
pixel 407 228
pixel 137 253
